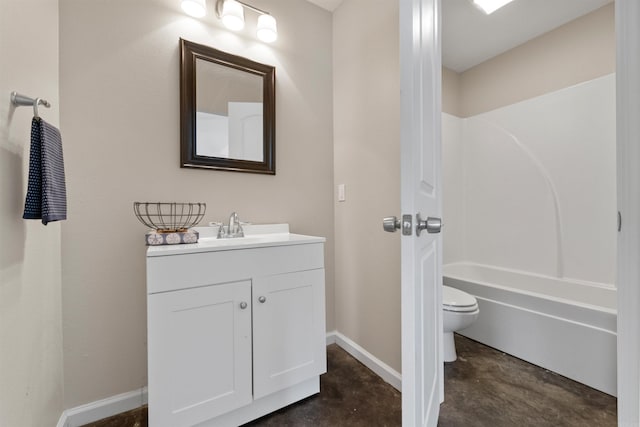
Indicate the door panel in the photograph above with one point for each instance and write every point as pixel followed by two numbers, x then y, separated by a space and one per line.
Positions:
pixel 199 353
pixel 431 308
pixel 289 330
pixel 246 131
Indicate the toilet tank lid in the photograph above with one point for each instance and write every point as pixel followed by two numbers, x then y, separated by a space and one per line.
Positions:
pixel 457 298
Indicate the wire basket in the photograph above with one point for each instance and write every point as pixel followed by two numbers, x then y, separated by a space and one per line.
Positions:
pixel 169 217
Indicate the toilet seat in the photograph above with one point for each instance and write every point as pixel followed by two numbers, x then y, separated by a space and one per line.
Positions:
pixel 455 300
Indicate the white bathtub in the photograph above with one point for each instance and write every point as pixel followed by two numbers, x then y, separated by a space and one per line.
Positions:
pixel 566 326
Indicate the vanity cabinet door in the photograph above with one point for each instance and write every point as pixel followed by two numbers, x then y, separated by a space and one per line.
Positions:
pixel 199 353
pixel 289 344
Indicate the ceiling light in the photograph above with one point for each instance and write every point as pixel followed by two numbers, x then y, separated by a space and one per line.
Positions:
pixel 490 6
pixel 195 8
pixel 267 29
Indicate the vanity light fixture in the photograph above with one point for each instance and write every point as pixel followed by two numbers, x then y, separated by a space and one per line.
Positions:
pixel 490 6
pixel 231 12
pixel 267 30
pixel 195 8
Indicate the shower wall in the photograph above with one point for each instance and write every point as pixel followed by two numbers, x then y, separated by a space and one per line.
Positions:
pixel 531 186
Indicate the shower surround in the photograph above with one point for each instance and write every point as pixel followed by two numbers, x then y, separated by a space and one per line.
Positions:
pixel 531 188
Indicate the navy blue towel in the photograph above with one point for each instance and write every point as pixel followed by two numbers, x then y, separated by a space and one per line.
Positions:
pixel 46 192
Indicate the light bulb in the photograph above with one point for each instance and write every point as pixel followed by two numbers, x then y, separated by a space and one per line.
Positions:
pixel 195 8
pixel 232 15
pixel 267 29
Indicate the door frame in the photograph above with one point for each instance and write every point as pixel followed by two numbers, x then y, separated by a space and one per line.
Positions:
pixel 627 26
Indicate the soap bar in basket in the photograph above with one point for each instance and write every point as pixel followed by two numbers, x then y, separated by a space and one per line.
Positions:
pixel 155 238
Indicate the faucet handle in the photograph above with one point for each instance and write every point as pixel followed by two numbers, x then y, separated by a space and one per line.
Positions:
pixel 240 231
pixel 220 228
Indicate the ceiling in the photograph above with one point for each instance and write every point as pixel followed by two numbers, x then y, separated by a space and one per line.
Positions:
pixel 470 37
pixel 330 5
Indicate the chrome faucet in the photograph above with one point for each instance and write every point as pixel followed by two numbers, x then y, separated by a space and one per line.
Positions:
pixel 234 229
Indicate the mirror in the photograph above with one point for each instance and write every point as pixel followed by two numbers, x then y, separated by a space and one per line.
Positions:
pixel 227 111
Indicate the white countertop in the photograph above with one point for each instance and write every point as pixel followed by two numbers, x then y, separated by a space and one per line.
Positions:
pixel 256 236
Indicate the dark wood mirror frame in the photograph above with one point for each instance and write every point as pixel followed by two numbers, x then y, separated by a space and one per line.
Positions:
pixel 189 52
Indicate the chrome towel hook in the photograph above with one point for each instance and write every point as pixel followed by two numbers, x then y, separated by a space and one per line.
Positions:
pixel 21 100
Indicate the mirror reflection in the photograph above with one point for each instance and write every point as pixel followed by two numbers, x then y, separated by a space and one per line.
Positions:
pixel 228 113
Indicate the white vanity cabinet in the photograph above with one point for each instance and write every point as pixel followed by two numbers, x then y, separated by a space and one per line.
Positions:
pixel 236 330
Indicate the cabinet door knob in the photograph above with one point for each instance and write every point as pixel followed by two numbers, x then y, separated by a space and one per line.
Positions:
pixel 262 299
pixel 243 305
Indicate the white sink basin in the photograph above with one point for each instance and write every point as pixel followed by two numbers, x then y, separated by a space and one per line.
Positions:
pixel 255 236
pixel 250 230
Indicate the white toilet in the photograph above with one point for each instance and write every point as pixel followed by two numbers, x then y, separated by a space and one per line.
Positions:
pixel 460 310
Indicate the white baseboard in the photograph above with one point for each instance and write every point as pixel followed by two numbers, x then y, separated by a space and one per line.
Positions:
pixel 384 371
pixel 331 337
pixel 100 409
pixel 94 411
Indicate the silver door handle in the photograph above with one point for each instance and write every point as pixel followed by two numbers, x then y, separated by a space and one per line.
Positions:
pixel 243 305
pixel 391 224
pixel 432 225
pixel 262 299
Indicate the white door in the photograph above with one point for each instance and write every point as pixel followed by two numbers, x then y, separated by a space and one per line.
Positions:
pixel 420 73
pixel 246 131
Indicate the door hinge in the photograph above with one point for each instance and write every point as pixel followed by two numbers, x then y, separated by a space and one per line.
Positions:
pixel 619 221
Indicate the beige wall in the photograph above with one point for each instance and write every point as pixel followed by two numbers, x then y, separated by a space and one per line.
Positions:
pixel 119 65
pixel 451 96
pixel 578 51
pixel 367 159
pixel 30 306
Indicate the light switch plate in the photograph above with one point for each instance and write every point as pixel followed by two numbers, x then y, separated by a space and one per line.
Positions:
pixel 341 193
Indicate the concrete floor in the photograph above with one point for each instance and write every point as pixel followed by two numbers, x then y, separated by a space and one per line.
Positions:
pixel 483 388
